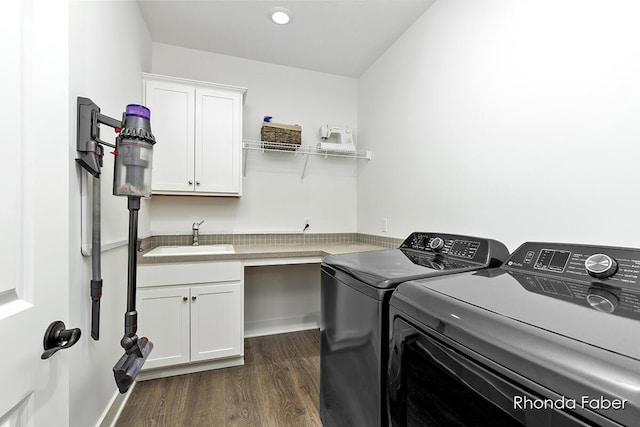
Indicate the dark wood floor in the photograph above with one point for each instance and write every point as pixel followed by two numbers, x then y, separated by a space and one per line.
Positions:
pixel 279 385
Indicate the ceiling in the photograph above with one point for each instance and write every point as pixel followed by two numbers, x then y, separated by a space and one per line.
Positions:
pixel 341 37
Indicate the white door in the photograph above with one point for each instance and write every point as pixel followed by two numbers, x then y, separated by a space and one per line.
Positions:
pixel 34 229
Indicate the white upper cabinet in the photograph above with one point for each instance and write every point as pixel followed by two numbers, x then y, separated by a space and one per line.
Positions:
pixel 198 127
pixel 172 108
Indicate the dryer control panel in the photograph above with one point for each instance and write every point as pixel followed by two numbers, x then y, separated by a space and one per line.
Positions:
pixel 613 265
pixel 473 249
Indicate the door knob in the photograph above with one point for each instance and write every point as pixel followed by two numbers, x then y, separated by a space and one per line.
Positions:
pixel 57 338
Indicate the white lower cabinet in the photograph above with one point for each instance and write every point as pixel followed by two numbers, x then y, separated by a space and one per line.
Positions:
pixel 215 329
pixel 192 313
pixel 163 317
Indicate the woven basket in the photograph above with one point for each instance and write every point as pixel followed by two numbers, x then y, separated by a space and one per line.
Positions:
pixel 282 134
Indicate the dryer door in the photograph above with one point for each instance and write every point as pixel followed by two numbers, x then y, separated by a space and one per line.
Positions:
pixel 432 384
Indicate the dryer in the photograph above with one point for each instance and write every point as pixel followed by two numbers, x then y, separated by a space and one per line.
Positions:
pixel 355 292
pixel 550 338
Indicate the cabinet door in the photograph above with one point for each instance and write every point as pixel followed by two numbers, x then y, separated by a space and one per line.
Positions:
pixel 218 135
pixel 172 108
pixel 163 317
pixel 216 321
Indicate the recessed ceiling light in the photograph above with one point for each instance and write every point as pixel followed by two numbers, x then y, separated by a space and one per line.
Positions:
pixel 280 15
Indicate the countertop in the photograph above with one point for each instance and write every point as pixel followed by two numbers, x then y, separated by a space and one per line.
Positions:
pixel 266 251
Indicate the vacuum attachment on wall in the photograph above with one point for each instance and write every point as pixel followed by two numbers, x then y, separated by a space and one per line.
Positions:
pixel 91 152
pixel 132 178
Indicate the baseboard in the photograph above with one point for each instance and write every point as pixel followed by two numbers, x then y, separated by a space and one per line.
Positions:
pixel 114 409
pixel 189 368
pixel 281 326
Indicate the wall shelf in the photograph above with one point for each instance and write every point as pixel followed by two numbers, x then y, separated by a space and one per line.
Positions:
pixel 306 150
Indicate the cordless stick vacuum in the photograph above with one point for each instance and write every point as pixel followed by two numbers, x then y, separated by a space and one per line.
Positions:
pixel 132 178
pixel 136 350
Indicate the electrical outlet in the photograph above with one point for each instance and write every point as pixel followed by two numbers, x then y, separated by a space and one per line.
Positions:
pixel 385 224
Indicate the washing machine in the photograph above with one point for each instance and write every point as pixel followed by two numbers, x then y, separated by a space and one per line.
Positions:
pixel 355 292
pixel 550 338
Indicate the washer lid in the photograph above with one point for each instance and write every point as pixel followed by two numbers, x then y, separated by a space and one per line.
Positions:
pixel 387 268
pixel 596 314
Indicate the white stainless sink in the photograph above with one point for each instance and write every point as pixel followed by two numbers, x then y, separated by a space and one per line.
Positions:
pixel 191 250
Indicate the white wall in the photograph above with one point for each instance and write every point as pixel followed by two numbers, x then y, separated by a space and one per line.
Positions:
pixel 513 120
pixel 274 197
pixel 281 298
pixel 109 49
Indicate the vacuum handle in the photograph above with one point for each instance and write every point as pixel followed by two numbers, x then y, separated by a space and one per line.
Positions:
pixel 57 338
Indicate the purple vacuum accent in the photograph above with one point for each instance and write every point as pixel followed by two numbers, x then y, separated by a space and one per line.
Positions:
pixel 138 111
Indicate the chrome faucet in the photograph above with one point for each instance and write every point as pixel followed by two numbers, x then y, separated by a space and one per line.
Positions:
pixel 196 232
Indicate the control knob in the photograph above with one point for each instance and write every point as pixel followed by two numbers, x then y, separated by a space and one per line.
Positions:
pixel 602 300
pixel 601 266
pixel 436 244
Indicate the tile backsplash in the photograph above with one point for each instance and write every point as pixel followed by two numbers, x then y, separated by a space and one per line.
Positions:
pixel 385 242
pixel 271 239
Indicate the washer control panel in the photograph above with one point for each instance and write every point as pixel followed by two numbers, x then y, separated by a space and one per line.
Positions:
pixel 473 249
pixel 616 266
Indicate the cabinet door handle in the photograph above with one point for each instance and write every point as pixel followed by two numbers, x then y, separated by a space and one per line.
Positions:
pixel 197 182
pixel 184 298
pixel 193 298
pixel 190 182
